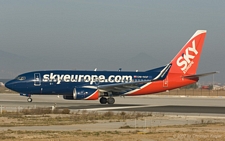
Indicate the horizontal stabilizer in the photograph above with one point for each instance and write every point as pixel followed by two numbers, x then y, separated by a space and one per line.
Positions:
pixel 200 75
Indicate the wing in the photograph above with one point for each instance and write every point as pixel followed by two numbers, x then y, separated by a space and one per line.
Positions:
pixel 124 87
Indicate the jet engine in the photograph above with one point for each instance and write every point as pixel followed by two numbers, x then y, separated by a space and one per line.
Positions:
pixel 83 94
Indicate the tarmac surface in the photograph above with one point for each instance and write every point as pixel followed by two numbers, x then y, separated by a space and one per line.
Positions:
pixel 152 103
pixel 166 111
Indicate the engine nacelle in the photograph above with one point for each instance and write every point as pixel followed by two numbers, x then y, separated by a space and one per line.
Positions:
pixel 83 94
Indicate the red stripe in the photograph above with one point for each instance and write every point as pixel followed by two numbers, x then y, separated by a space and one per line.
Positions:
pixel 93 96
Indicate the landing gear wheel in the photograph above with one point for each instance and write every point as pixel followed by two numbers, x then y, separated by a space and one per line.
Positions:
pixel 29 99
pixel 111 100
pixel 103 100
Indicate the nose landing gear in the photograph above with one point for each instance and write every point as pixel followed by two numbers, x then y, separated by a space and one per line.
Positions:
pixel 29 99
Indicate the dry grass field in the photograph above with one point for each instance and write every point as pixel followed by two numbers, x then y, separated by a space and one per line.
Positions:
pixel 205 130
pixel 210 132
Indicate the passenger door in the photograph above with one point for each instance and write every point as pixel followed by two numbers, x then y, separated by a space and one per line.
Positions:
pixel 37 79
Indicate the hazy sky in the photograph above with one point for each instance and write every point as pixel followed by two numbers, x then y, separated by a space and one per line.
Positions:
pixel 114 29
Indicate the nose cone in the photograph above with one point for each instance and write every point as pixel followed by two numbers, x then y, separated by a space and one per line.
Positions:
pixel 9 85
pixel 16 86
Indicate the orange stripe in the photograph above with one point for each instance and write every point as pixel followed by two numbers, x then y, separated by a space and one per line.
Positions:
pixel 175 81
pixel 93 96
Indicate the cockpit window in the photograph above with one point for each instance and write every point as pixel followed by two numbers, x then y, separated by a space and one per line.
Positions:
pixel 21 78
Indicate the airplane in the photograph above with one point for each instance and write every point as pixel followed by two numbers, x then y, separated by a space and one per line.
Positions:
pixel 105 85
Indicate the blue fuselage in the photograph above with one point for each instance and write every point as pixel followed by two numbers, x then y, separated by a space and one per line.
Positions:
pixel 63 82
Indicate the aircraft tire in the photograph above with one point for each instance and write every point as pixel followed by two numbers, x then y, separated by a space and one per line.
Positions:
pixel 29 99
pixel 103 100
pixel 111 100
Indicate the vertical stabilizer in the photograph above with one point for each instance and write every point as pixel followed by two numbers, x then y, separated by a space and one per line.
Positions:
pixel 187 59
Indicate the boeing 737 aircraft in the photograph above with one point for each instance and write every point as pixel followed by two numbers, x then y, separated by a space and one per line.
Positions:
pixel 104 85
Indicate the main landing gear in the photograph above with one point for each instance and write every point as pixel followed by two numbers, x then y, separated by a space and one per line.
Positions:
pixel 109 100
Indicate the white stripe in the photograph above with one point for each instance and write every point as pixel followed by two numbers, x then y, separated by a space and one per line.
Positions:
pixel 198 32
pixel 166 68
pixel 91 87
pixel 138 88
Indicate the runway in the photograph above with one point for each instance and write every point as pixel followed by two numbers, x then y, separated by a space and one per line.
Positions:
pixel 154 103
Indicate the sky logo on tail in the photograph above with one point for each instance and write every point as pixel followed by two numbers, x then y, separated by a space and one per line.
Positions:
pixel 186 60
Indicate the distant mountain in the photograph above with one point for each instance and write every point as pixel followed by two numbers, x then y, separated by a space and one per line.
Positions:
pixel 12 64
pixel 142 61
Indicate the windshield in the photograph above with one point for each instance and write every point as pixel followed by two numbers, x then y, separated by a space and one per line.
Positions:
pixel 21 78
